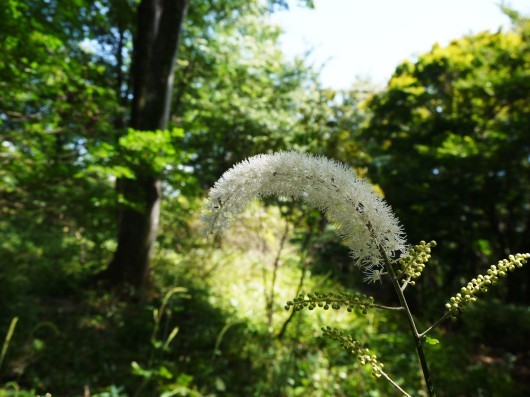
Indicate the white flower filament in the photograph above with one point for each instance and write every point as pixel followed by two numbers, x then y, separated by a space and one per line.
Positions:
pixel 364 220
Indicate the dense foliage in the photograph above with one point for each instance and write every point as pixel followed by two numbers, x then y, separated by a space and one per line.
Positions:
pixel 446 141
pixel 452 147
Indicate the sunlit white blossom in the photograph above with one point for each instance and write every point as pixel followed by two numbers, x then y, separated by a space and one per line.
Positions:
pixel 364 220
pixel 374 274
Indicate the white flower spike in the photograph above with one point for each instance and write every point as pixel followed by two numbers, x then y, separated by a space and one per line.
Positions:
pixel 365 221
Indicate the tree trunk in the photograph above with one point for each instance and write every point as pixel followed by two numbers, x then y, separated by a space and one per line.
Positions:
pixel 155 51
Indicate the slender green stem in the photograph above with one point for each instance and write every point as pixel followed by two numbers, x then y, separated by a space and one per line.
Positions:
pixel 276 265
pixel 394 308
pixel 394 384
pixel 405 283
pixel 441 319
pixel 7 339
pixel 412 325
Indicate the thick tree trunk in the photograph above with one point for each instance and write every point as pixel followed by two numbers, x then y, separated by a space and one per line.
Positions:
pixel 154 55
pixel 137 232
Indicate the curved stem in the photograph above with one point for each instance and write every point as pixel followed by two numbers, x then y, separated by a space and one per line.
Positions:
pixel 412 325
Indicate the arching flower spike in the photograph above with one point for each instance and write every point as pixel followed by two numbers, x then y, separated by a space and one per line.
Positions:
pixel 364 220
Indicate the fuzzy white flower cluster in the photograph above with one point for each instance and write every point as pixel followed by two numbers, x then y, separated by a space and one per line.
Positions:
pixel 364 220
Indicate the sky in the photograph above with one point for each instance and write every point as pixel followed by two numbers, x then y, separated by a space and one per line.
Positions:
pixel 353 39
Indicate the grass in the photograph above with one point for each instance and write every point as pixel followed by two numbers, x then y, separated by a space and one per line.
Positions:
pixel 211 325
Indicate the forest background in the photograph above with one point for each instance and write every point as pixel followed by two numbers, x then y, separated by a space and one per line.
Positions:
pixel 108 287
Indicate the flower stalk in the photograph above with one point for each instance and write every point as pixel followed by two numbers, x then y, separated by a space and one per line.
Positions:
pixel 412 325
pixel 363 355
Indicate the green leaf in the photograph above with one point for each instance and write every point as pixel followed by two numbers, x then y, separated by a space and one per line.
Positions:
pixel 163 372
pixel 139 371
pixel 38 344
pixel 431 341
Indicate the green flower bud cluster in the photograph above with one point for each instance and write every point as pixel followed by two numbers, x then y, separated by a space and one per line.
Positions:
pixel 354 347
pixel 414 262
pixel 481 283
pixel 333 300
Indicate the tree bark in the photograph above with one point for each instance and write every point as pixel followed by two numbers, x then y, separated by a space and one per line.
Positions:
pixel 154 54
